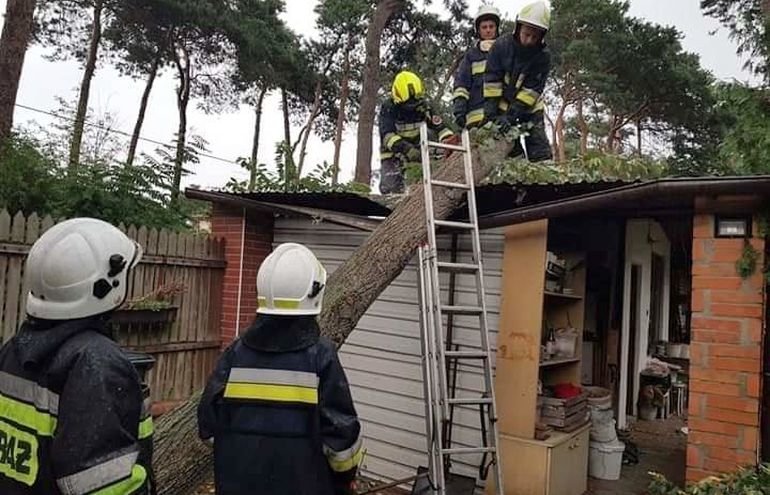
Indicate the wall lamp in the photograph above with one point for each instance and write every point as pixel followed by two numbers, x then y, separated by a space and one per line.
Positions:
pixel 732 226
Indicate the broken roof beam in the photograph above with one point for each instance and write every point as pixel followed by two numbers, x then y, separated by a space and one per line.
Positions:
pixel 344 219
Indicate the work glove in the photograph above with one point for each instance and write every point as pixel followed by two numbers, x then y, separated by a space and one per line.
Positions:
pixel 453 139
pixel 407 150
pixel 345 482
pixel 346 489
pixel 413 154
pixel 491 111
pixel 459 110
pixel 504 123
pixel 401 147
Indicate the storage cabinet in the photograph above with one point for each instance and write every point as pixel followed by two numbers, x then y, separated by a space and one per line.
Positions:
pixel 557 465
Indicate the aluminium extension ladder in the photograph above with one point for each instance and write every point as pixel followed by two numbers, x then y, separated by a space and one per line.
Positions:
pixel 439 399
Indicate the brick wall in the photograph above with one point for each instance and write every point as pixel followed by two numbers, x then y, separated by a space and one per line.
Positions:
pixel 725 355
pixel 254 232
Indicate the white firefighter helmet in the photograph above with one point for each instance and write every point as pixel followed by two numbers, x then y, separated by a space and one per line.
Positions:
pixel 79 268
pixel 536 14
pixel 291 281
pixel 486 11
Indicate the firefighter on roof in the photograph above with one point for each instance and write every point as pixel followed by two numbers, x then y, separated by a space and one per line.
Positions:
pixel 400 120
pixel 515 78
pixel 468 103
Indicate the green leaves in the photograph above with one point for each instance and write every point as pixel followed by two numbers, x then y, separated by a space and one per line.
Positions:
pixel 745 114
pixel 284 178
pixel 748 22
pixel 632 80
pixel 31 180
pixel 748 481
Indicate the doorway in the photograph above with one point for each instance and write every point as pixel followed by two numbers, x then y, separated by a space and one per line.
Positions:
pixel 645 306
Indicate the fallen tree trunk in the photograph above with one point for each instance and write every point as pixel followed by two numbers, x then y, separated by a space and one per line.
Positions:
pixel 181 460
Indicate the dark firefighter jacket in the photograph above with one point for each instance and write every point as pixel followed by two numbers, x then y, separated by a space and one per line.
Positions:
pixel 515 78
pixel 402 121
pixel 280 412
pixel 72 419
pixel 469 84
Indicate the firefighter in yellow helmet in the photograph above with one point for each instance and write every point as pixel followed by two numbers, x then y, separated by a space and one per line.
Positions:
pixel 516 73
pixel 400 120
pixel 468 103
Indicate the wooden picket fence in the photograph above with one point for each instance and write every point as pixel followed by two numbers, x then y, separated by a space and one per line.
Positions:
pixel 186 350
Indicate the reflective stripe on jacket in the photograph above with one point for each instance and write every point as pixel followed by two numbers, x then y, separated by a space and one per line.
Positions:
pixel 72 419
pixel 279 409
pixel 469 83
pixel 515 77
pixel 403 121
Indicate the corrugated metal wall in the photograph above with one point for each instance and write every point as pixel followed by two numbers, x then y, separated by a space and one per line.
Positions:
pixel 382 356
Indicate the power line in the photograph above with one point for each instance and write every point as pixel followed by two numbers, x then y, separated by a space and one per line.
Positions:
pixel 116 131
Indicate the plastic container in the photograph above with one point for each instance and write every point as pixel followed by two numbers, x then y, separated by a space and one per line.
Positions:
pixel 604 433
pixel 601 417
pixel 605 460
pixel 599 398
pixel 566 342
pixel 674 350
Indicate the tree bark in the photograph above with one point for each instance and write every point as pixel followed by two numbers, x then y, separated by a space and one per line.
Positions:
pixel 286 122
pixel 181 458
pixel 151 75
pixel 370 84
pixel 552 126
pixel 612 134
pixel 182 61
pixel 255 141
pixel 639 138
pixel 344 95
pixel 583 127
pixel 561 146
pixel 85 85
pixel 181 461
pixel 314 111
pixel 17 31
pixel 288 150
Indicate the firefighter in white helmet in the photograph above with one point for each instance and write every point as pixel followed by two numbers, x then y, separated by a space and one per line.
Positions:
pixel 468 103
pixel 72 419
pixel 278 406
pixel 516 73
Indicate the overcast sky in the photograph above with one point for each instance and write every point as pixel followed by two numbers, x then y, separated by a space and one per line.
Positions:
pixel 230 135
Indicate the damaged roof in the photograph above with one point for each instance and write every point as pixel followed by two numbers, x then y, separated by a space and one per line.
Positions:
pixel 491 198
pixel 504 204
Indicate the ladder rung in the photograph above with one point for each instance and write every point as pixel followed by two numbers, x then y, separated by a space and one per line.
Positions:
pixel 454 147
pixel 466 354
pixel 461 310
pixel 455 185
pixel 467 450
pixel 455 225
pixel 458 267
pixel 465 401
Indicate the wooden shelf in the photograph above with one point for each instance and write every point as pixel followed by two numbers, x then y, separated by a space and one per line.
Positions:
pixel 559 295
pixel 559 362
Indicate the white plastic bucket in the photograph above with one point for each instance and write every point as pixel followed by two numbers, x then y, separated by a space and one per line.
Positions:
pixel 604 433
pixel 605 460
